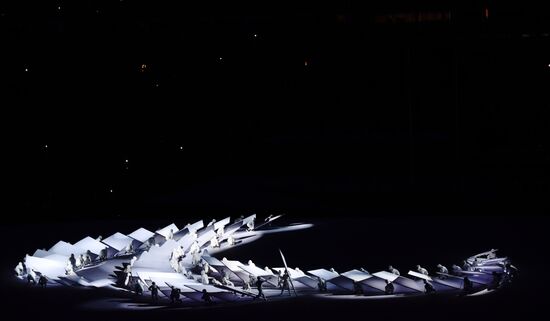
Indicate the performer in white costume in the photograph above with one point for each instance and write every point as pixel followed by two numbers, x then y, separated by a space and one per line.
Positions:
pixel 204 278
pixel 19 269
pixel 214 242
pixel 421 270
pixel 393 270
pixel 69 268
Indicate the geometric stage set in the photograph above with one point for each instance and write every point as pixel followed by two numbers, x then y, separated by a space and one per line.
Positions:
pixel 174 266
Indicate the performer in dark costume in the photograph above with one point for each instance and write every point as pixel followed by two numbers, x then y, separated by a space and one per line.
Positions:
pixel 154 291
pixel 259 283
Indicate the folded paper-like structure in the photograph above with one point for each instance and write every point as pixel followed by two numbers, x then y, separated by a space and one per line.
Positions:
pixel 185 259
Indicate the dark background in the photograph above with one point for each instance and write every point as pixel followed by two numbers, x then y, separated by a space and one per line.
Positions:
pixel 399 111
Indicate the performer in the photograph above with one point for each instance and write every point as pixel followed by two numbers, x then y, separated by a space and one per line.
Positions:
pixel 442 269
pixel 220 232
pixel 69 268
pixel 81 261
pixel 175 295
pixel 19 269
pixel 196 258
pixel 393 270
pixel 321 285
pixel 250 225
pixel 138 289
pixel 227 281
pixel 214 242
pixel 389 287
pixel 259 283
pixel 421 270
pixel 42 281
pixel 88 257
pixel 72 259
pixel 285 283
pixel 206 297
pixel 154 291
pixel 204 278
pixel 103 255
pixel 246 285
pixel 428 288
pixel 31 277
pixel 457 270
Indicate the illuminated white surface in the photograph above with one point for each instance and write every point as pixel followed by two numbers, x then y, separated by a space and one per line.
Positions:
pixel 165 231
pixel 118 241
pixel 141 234
pixel 323 274
pixel 356 275
pixel 91 244
pixel 419 275
pixel 64 248
pixel 154 265
pixel 386 275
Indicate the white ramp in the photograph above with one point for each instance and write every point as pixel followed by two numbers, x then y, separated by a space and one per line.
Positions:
pixel 205 235
pixel 141 235
pixel 356 275
pixel 212 261
pixel 119 241
pixel 386 275
pixel 249 219
pixel 157 257
pixel 91 244
pixel 323 274
pixel 165 231
pixel 348 279
pixel 228 230
pixel 256 271
pixel 292 272
pixel 420 275
pixel 222 223
pixel 41 253
pixel 64 248
pixel 52 269
pixel 195 226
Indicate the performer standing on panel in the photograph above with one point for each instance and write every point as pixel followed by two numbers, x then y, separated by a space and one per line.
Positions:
pixel 138 289
pixel 42 281
pixel 421 270
pixel 154 291
pixel 389 287
pixel 393 270
pixel 72 259
pixel 175 295
pixel 206 297
pixel 259 283
pixel 428 288
pixel 442 269
pixel 285 283
pixel 19 269
pixel 321 285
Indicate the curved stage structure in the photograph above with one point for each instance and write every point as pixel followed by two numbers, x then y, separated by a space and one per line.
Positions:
pixel 182 267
